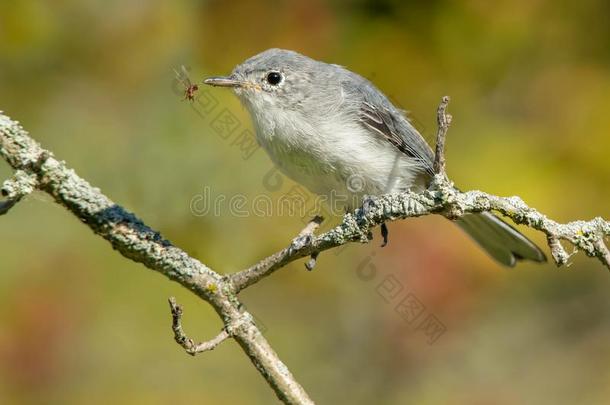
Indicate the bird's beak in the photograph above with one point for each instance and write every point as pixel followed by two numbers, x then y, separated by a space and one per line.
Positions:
pixel 223 82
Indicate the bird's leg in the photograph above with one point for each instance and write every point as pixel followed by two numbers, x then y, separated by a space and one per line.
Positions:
pixel 384 234
pixel 368 205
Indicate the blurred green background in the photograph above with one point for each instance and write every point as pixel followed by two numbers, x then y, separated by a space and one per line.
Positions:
pixel 92 80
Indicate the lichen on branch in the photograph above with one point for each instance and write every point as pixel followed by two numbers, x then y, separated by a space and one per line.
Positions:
pixel 37 168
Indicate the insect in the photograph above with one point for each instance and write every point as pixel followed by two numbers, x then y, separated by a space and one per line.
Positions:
pixel 190 89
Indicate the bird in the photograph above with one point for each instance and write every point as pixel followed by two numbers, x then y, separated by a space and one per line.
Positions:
pixel 337 134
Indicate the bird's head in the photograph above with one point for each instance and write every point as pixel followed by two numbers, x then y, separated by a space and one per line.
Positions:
pixel 278 80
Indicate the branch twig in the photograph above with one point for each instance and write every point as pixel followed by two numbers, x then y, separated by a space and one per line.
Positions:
pixel 305 237
pixel 187 343
pixel 15 188
pixel 444 121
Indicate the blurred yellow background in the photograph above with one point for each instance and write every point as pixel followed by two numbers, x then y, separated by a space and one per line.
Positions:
pixel 92 80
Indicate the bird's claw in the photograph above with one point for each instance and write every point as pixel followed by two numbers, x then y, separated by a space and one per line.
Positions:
pixel 311 263
pixel 301 241
pixel 368 203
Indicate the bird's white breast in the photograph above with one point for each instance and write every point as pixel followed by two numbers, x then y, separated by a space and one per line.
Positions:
pixel 335 157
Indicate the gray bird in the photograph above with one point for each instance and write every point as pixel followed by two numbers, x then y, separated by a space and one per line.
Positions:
pixel 335 133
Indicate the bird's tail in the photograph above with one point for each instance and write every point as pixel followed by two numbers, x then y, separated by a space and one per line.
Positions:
pixel 500 240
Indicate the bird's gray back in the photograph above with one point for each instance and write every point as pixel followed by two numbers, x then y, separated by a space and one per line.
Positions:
pixel 377 113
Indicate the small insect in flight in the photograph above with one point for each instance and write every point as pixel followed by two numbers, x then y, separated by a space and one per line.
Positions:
pixel 190 89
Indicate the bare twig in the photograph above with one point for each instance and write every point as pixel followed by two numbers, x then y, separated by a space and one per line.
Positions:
pixel 443 120
pixel 311 226
pixel 187 343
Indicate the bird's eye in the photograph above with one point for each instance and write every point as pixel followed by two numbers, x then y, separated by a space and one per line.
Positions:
pixel 274 78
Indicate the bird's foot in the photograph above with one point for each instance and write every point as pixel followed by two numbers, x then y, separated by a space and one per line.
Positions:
pixel 369 202
pixel 384 234
pixel 311 263
pixel 305 239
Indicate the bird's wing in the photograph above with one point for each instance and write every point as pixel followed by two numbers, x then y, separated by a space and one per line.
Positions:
pixel 377 114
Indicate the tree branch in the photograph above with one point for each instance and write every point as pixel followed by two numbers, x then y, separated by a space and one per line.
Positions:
pixel 37 168
pixel 443 199
pixel 187 343
pixel 136 241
